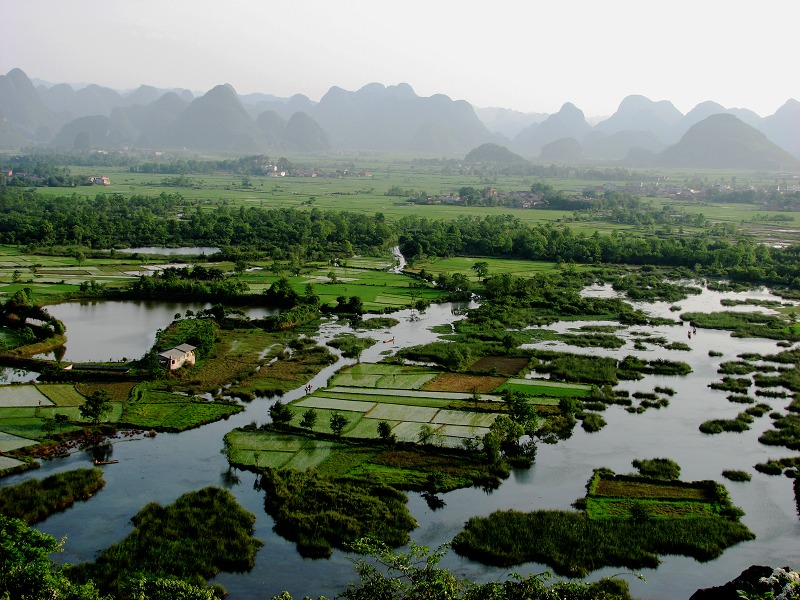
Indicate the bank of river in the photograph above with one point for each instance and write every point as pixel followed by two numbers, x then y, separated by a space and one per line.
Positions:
pixel 162 468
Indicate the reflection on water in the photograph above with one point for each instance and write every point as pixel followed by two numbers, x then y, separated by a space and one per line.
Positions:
pixel 105 330
pixel 160 469
pixel 12 375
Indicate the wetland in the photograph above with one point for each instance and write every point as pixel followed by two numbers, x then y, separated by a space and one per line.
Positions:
pixel 479 366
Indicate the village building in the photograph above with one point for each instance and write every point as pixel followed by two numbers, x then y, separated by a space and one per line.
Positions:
pixel 176 357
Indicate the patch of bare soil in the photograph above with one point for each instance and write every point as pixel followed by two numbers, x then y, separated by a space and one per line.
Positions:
pixel 506 365
pixel 460 382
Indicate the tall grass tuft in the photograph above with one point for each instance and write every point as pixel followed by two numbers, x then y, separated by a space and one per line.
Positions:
pixel 34 500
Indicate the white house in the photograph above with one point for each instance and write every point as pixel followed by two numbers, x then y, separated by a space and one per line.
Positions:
pixel 176 357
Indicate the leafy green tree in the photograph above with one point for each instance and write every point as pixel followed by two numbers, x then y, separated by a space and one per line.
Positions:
pixel 521 410
pixel 49 426
pixel 61 420
pixel 281 294
pixel 385 432
pixel 96 406
pixel 415 574
pixel 481 269
pixel 309 419
pixel 280 414
pixel 26 571
pixel 425 434
pixel 338 423
pixel 309 297
pixel 355 305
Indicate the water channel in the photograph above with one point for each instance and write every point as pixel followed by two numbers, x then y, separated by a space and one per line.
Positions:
pixel 162 468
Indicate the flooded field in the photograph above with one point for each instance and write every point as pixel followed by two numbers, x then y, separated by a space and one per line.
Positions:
pixel 162 468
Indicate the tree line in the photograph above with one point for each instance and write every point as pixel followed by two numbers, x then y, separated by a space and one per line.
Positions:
pixel 112 220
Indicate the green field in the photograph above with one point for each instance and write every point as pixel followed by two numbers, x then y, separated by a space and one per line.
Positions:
pixel 62 394
pixel 543 389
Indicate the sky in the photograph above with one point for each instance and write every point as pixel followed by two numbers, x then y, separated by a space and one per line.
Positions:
pixel 527 55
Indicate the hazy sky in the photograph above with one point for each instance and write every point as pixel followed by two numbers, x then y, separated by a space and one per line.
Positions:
pixel 530 55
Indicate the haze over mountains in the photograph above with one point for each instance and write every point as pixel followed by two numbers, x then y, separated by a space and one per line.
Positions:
pixel 389 119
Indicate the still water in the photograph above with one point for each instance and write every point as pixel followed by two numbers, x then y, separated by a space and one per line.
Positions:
pixel 163 468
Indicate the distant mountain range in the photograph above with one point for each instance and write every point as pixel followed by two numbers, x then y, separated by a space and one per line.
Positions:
pixel 389 119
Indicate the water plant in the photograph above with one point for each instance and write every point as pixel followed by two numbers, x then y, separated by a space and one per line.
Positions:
pixel 34 500
pixel 320 513
pixel 627 524
pixel 658 468
pixel 194 538
pixel 736 475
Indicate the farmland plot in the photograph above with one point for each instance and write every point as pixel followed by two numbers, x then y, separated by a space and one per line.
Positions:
pixel 402 412
pixel 327 403
pixel 22 395
pixel 465 418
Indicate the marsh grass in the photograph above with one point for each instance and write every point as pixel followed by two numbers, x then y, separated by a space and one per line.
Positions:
pixel 739 385
pixel 739 424
pixel 319 513
pixel 736 475
pixel 658 468
pixel 194 538
pixel 351 346
pixel 745 324
pixel 574 545
pixel 785 432
pixel 36 499
pixel 592 422
pixel 636 520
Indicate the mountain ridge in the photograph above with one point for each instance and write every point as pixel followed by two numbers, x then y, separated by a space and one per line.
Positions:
pixel 375 117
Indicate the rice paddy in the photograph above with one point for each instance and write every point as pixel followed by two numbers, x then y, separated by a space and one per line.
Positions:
pixel 367 394
pixel 22 395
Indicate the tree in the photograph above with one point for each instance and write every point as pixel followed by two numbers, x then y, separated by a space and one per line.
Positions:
pixel 425 434
pixel 338 423
pixel 521 410
pixel 26 570
pixel 96 405
pixel 509 342
pixel 385 432
pixel 61 420
pixel 309 419
pixel 280 414
pixel 49 426
pixel 481 269
pixel 415 574
pixel 355 305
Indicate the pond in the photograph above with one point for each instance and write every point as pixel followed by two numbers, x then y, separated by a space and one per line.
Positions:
pixel 162 468
pixel 105 330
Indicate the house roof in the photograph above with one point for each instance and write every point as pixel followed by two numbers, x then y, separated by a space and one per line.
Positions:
pixel 178 351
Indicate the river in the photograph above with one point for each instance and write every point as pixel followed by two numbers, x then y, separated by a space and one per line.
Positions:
pixel 162 468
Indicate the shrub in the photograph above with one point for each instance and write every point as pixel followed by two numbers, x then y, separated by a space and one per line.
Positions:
pixel 734 475
pixel 658 468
